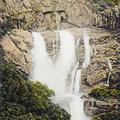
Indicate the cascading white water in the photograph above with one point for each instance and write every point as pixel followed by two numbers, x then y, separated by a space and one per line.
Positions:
pixel 77 81
pixel 87 50
pixel 65 59
pixel 110 70
pixel 54 74
pixel 47 72
pixel 73 77
pixel 77 108
pixel 109 64
pixel 76 105
pixel 42 64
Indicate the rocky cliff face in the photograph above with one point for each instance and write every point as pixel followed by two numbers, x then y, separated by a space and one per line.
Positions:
pixel 106 13
pixel 15 48
pixel 42 15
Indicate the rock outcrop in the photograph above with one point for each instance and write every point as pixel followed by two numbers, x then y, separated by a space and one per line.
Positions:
pixel 94 107
pixel 106 13
pixel 43 15
pixel 104 48
pixel 15 48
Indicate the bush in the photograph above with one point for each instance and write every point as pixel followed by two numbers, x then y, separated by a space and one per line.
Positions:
pixel 104 93
pixel 100 92
pixel 113 1
pixel 25 100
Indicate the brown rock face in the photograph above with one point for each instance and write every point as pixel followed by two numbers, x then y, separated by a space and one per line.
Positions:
pixel 16 48
pixel 104 49
pixel 106 14
pixel 44 15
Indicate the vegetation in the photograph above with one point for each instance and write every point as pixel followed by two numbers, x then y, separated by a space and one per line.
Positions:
pixel 114 115
pixel 104 93
pixel 113 1
pixel 108 1
pixel 108 94
pixel 25 100
pixel 103 5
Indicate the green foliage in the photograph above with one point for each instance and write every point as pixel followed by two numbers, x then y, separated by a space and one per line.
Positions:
pixel 107 1
pixel 109 94
pixel 104 93
pixel 100 92
pixel 26 100
pixel 10 72
pixel 113 1
pixel 102 5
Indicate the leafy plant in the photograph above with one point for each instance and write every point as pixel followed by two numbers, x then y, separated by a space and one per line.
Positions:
pixel 26 100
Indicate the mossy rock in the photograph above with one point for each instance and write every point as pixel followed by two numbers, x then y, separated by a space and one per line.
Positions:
pixel 113 115
pixel 115 80
pixel 104 93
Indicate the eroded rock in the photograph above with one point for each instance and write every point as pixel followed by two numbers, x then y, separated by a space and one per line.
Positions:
pixel 16 48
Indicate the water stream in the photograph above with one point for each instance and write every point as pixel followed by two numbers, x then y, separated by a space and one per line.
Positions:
pixel 55 74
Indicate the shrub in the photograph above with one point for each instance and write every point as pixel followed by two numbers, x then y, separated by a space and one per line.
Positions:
pixel 100 92
pixel 25 100
pixel 104 93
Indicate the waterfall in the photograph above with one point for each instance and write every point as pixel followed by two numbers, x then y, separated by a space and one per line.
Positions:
pixel 87 50
pixel 110 70
pixel 42 64
pixel 73 77
pixel 76 105
pixel 77 81
pixel 65 59
pixel 55 73
pixel 109 64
